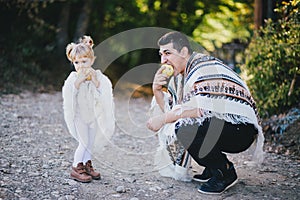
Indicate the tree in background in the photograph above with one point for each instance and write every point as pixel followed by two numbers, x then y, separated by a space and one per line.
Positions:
pixel 272 63
pixel 36 32
pixel 25 44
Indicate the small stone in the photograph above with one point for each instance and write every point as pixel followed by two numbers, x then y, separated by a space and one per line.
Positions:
pixel 130 180
pixel 66 197
pixel 116 195
pixel 18 190
pixel 71 182
pixel 70 197
pixel 45 166
pixel 121 189
pixel 32 174
pixel 153 189
pixel 55 193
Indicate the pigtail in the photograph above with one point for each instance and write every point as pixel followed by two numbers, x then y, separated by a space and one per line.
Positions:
pixel 87 40
pixel 69 49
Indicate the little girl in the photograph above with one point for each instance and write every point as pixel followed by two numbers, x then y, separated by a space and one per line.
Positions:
pixel 88 108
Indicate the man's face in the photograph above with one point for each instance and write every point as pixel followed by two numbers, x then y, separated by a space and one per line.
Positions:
pixel 169 55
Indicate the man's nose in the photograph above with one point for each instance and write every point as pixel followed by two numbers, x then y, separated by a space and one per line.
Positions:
pixel 163 59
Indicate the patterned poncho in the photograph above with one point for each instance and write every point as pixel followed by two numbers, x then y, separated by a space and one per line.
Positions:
pixel 218 91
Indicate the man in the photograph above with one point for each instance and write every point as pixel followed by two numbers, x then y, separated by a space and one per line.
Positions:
pixel 209 112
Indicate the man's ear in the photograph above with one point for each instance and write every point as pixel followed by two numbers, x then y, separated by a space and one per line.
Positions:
pixel 184 52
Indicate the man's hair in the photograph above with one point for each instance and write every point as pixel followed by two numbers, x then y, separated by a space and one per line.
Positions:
pixel 179 40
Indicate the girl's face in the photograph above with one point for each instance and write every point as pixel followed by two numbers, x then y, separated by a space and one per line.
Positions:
pixel 83 62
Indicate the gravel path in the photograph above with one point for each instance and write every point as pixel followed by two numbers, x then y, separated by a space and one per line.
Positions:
pixel 37 151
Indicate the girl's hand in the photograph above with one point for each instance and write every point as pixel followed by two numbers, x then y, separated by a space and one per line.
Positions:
pixel 93 74
pixel 80 79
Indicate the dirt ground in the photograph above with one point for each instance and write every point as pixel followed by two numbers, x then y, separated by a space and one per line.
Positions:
pixel 37 151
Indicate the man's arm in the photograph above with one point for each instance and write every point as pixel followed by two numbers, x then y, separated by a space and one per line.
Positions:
pixel 157 86
pixel 156 122
pixel 159 97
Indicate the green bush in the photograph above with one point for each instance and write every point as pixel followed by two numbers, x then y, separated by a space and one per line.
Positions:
pixel 273 62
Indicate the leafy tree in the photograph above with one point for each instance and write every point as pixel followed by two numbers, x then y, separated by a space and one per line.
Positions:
pixel 230 20
pixel 25 43
pixel 36 32
pixel 272 64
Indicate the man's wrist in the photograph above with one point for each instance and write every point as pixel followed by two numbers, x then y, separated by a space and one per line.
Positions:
pixel 170 117
pixel 156 90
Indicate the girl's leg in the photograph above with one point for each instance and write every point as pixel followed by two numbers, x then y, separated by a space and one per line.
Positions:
pixel 79 171
pixel 82 130
pixel 87 157
pixel 89 145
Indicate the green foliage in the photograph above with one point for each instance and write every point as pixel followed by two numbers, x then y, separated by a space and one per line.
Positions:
pixel 231 20
pixel 24 52
pixel 34 33
pixel 273 62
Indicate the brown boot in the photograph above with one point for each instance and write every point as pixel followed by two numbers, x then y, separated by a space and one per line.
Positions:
pixel 90 170
pixel 79 174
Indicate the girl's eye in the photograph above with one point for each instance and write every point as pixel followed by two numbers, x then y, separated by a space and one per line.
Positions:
pixel 76 62
pixel 84 61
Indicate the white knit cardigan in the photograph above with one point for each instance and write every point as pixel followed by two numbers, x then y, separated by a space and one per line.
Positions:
pixel 99 100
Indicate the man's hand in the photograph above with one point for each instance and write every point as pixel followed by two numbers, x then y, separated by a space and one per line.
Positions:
pixel 155 123
pixel 159 80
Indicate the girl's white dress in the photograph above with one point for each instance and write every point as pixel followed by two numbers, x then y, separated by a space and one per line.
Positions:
pixel 94 106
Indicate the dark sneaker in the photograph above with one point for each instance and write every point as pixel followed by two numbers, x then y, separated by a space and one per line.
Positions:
pixel 220 181
pixel 204 177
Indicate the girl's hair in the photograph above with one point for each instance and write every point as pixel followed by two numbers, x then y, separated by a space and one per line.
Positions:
pixel 84 48
pixel 86 40
pixel 179 40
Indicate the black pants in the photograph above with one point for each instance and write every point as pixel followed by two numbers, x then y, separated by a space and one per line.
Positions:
pixel 207 143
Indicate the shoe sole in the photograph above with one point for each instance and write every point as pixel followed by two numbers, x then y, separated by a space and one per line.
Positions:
pixel 200 180
pixel 81 181
pixel 96 178
pixel 229 186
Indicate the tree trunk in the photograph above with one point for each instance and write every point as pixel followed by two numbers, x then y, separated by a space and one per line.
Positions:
pixel 83 20
pixel 258 14
pixel 62 39
pixel 62 34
